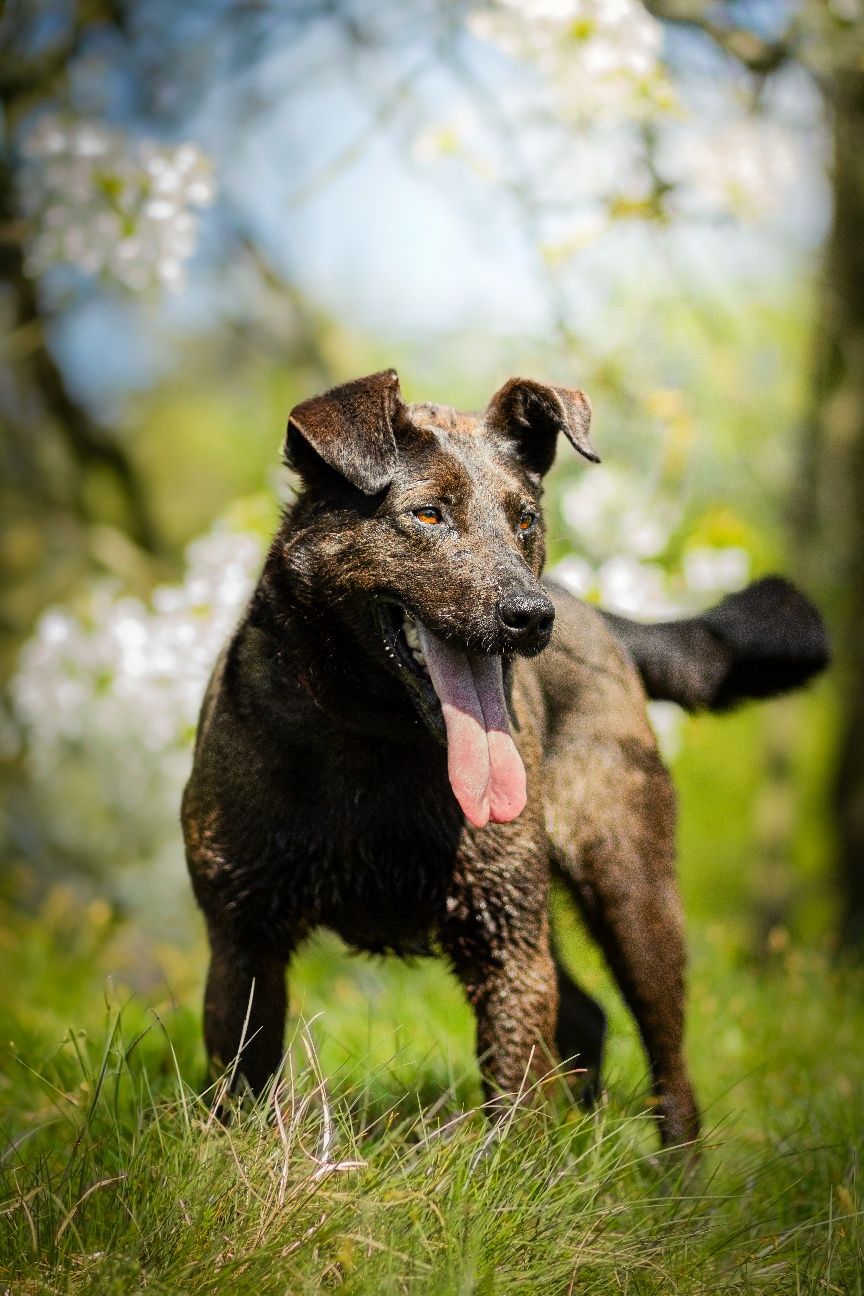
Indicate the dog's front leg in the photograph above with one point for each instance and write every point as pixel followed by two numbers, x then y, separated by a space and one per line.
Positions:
pixel 511 985
pixel 244 1009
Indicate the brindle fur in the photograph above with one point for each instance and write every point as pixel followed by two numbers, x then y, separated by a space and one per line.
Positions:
pixel 319 794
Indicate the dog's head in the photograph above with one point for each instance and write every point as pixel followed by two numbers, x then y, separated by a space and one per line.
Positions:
pixel 422 528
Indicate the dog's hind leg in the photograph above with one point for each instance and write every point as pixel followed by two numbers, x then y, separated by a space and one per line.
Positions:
pixel 580 1033
pixel 245 1002
pixel 640 932
pixel 616 852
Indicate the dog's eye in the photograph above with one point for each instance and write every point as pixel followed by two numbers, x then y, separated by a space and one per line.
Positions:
pixel 527 520
pixel 429 516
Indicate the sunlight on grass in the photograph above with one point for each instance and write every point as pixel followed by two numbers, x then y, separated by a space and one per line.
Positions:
pixel 370 1168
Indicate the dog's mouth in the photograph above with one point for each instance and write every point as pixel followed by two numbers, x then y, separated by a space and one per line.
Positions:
pixel 399 630
pixel 460 695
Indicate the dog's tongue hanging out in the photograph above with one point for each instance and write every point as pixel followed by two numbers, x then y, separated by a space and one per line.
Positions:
pixel 486 771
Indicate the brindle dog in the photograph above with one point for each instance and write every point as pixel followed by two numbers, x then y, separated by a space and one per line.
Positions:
pixel 386 749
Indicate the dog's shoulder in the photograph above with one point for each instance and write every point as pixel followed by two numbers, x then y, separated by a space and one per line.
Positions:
pixel 585 666
pixel 583 636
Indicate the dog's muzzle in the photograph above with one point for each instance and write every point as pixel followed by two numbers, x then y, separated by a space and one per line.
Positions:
pixel 525 622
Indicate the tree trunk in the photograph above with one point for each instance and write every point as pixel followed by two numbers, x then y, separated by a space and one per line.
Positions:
pixel 837 479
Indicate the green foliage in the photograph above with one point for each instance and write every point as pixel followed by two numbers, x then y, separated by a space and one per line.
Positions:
pixel 116 1178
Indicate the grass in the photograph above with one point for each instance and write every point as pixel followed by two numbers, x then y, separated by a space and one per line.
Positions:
pixel 371 1169
pixel 378 1174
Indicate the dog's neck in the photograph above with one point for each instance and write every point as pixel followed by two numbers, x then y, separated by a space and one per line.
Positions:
pixel 322 664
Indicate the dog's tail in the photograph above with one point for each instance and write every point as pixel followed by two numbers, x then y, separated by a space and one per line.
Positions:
pixel 761 641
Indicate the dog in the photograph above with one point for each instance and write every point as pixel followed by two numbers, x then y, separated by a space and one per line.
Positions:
pixel 409 735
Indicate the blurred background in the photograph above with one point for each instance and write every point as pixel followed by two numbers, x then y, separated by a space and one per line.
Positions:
pixel 209 212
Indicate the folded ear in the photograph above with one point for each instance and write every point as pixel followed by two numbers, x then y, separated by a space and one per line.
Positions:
pixel 530 415
pixel 351 429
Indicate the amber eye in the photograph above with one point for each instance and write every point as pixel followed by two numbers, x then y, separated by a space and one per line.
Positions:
pixel 429 516
pixel 527 521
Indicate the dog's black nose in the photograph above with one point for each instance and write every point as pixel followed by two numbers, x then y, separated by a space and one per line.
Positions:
pixel 526 620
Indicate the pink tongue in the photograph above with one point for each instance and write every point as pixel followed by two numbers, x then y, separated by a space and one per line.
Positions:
pixel 486 771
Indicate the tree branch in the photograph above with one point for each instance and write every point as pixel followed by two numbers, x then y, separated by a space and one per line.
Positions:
pixel 88 444
pixel 754 52
pixel 22 77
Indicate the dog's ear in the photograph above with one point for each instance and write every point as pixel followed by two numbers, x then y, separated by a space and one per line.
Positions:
pixel 530 415
pixel 351 429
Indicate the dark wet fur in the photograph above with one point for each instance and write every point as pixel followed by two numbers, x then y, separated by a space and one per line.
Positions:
pixel 319 794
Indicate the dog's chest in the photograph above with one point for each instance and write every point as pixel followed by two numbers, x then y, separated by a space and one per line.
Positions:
pixel 370 847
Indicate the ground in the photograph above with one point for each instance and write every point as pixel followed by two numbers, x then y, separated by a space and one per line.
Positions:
pixel 378 1175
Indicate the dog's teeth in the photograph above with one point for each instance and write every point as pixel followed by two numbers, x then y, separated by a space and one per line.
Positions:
pixel 412 638
pixel 418 657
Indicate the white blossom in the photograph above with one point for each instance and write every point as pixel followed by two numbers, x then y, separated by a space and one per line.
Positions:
pixel 713 570
pixel 610 513
pixel 744 167
pixel 636 589
pixel 667 721
pixel 598 57
pixel 577 575
pixel 622 533
pixel 110 205
pixel 107 702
